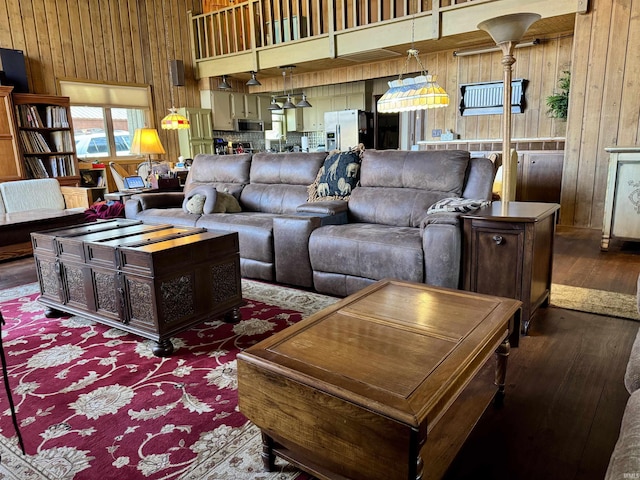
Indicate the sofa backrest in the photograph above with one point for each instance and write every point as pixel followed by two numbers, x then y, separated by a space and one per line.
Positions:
pixel 279 181
pixel 226 173
pixel 23 195
pixel 398 186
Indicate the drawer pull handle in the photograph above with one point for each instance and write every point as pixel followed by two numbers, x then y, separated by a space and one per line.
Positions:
pixel 498 239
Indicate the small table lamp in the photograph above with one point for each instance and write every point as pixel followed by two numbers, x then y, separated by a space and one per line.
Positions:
pixel 146 142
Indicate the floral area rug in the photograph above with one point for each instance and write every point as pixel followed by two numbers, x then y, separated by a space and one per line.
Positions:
pixel 93 402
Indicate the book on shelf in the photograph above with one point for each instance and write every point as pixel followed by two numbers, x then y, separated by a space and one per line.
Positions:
pixel 61 141
pixel 57 117
pixel 36 167
pixel 33 142
pixel 28 116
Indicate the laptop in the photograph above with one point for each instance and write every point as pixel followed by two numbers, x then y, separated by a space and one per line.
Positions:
pixel 135 183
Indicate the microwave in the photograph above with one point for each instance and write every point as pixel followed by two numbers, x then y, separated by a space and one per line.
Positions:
pixel 246 125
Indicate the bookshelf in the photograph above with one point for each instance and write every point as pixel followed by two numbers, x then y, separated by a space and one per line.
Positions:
pixel 11 167
pixel 45 134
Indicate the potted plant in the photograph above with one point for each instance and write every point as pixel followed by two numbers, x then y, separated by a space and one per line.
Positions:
pixel 558 103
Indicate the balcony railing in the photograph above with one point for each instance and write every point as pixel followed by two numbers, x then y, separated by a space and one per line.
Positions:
pixel 254 24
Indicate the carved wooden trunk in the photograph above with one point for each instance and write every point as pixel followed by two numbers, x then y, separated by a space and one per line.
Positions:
pixel 151 280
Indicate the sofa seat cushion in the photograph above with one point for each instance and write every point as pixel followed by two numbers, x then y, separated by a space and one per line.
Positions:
pixel 255 232
pixel 625 459
pixel 368 250
pixel 173 216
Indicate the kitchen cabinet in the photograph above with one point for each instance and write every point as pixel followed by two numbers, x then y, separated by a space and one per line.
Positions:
pixel 313 117
pixel 294 119
pixel 198 138
pixel 264 112
pixel 221 109
pixel 355 101
pixel 245 106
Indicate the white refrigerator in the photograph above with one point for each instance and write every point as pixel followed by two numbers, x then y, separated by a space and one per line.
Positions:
pixel 344 129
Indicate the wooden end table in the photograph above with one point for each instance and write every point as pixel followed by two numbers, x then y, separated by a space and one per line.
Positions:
pixel 509 252
pixel 384 384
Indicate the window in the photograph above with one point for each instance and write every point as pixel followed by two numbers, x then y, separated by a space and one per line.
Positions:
pixel 92 134
pixel 278 133
pixel 486 98
pixel 105 116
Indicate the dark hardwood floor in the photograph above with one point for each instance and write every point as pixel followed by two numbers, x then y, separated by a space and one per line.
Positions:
pixel 579 262
pixel 565 391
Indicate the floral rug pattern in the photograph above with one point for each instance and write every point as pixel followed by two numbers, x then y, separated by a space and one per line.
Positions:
pixel 94 402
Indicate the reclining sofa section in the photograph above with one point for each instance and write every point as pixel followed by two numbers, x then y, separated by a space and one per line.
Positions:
pixel 336 247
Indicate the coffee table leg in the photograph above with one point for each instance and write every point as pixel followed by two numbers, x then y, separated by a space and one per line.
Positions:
pixel 163 348
pixel 51 312
pixel 502 354
pixel 233 316
pixel 268 458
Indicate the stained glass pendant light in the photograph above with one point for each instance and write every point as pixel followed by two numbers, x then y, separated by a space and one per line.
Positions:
pixel 416 93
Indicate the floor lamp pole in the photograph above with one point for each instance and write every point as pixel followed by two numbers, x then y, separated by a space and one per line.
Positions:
pixel 507 31
pixel 507 62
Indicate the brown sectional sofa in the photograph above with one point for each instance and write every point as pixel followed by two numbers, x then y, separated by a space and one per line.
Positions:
pixel 336 246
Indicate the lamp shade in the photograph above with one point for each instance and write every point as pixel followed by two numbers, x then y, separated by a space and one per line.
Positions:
pixel 224 85
pixel 174 121
pixel 288 103
pixel 508 28
pixel 253 81
pixel 274 105
pixel 303 103
pixel 146 142
pixel 417 93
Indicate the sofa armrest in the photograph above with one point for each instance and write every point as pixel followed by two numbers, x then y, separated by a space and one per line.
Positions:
pixel 160 200
pixel 291 248
pixel 333 212
pixel 146 201
pixel 442 246
pixel 329 207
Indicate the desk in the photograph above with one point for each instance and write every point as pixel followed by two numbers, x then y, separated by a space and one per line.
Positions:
pixel 384 385
pixel 124 196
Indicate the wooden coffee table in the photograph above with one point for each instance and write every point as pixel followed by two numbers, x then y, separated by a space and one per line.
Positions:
pixel 385 384
pixel 151 280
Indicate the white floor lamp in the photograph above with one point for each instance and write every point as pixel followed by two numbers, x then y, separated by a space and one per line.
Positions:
pixel 507 31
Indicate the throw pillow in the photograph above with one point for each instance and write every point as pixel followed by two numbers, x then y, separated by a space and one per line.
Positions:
pixel 337 177
pixel 456 204
pixel 212 201
pixel 226 203
pixel 195 204
pixel 208 192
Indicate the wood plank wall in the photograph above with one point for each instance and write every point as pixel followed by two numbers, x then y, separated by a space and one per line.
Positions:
pixel 122 41
pixel 603 104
